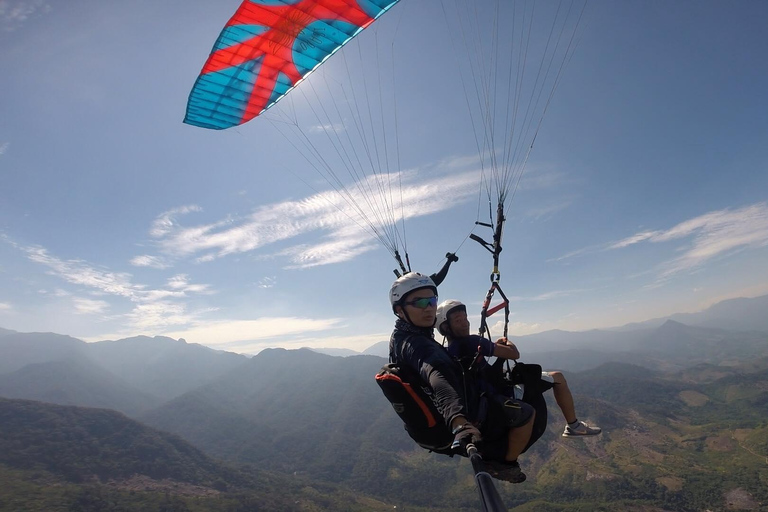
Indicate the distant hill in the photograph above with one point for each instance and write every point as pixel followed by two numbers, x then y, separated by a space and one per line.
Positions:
pixel 579 360
pixel 20 349
pixel 61 441
pixel 3 332
pixel 73 458
pixel 75 382
pixel 380 349
pixel 595 339
pixel 146 370
pixel 736 323
pixel 313 413
pixel 669 346
pixel 162 366
pixel 689 345
pixel 337 352
pixel 741 314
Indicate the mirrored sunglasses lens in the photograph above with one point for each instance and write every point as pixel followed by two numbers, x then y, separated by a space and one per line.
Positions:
pixel 424 303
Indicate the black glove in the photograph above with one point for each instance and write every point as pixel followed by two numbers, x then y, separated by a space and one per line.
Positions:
pixel 464 435
pixel 451 257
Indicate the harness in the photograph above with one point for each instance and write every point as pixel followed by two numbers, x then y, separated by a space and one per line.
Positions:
pixel 412 401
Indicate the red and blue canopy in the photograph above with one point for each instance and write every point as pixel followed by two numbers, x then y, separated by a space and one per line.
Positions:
pixel 266 49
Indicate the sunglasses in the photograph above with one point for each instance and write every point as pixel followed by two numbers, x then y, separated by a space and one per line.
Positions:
pixel 422 303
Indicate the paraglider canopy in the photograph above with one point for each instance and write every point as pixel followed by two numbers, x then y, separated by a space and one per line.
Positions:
pixel 266 49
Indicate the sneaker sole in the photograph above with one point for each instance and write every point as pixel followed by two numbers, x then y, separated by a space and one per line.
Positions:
pixel 518 479
pixel 581 435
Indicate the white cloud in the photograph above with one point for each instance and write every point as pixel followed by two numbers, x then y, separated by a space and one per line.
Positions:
pixel 13 13
pixel 522 328
pixel 337 251
pixel 517 328
pixel 714 234
pixel 343 216
pixel 159 315
pixel 4 147
pixel 229 332
pixel 4 306
pixel 547 211
pixel 331 127
pixel 152 308
pixel 181 283
pixel 89 306
pixel 165 222
pixel 554 294
pixel 267 282
pixel 573 254
pixel 149 261
pixel 178 282
pixel 634 239
pixel 533 180
pixel 79 272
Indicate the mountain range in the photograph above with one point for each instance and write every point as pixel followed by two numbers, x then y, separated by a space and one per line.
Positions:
pixel 682 408
pixel 132 375
pixel 745 316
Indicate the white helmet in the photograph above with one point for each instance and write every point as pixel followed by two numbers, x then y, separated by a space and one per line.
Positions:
pixel 408 283
pixel 444 309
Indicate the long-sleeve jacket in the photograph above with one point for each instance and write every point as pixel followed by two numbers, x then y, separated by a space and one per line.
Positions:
pixel 471 350
pixel 415 348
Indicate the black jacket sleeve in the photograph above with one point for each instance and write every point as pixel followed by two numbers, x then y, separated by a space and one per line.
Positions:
pixel 435 367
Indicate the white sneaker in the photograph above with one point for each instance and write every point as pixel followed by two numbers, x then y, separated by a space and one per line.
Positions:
pixel 580 430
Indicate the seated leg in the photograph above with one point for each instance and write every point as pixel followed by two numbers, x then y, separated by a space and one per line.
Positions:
pixel 564 399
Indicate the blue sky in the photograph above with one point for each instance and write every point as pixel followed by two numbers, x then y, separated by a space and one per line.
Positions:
pixel 646 192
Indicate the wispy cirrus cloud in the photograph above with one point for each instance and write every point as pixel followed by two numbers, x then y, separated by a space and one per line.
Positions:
pixel 519 328
pixel 338 250
pixel 163 310
pixel 711 235
pixel 554 294
pixel 549 210
pixel 577 253
pixel 4 147
pixel 634 239
pixel 13 13
pixel 330 127
pixel 267 282
pixel 146 260
pixel 81 273
pixel 166 221
pixel 239 333
pixel 715 234
pixel 533 180
pixel 153 309
pixel 89 306
pixel 347 221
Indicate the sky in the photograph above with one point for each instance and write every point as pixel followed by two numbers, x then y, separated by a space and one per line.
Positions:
pixel 645 194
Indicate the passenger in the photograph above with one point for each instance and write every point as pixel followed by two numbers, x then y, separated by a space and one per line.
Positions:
pixel 452 322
